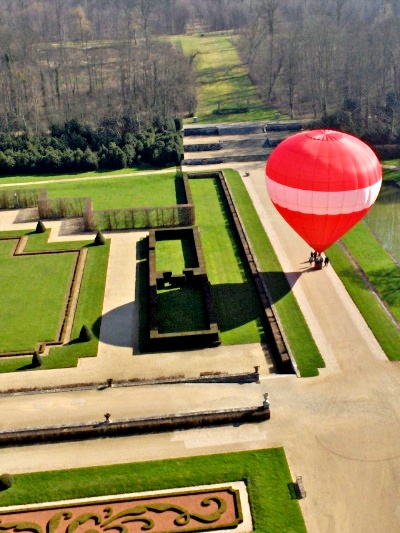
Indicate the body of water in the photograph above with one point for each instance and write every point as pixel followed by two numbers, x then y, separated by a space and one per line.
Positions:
pixel 384 219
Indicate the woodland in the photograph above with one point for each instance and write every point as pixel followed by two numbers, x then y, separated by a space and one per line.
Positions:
pixel 89 73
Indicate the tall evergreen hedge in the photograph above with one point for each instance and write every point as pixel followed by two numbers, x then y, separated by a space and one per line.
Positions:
pixel 75 147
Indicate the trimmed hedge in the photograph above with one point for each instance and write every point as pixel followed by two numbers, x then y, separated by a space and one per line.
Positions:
pixel 6 481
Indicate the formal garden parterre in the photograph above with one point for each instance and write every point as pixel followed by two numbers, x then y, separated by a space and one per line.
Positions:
pixel 273 503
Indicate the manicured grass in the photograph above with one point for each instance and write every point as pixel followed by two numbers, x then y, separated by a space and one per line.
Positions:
pixel 94 174
pixel 32 298
pixel 175 255
pixel 234 297
pixel 188 310
pixel 300 340
pixel 266 473
pixel 124 192
pixel 88 310
pixel 382 273
pixel 222 77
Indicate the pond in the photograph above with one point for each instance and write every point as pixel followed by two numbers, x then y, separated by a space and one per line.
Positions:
pixel 384 219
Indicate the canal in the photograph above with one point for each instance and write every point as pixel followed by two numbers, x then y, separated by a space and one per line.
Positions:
pixel 384 218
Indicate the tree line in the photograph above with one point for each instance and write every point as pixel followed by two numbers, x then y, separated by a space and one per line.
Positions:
pixel 102 62
pixel 336 61
pixel 75 147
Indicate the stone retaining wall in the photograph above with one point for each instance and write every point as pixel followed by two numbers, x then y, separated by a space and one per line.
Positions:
pixel 134 426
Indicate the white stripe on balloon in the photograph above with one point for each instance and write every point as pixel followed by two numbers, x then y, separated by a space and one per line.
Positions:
pixel 321 202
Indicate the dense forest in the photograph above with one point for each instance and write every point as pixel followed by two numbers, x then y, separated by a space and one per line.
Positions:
pixel 338 60
pixel 101 65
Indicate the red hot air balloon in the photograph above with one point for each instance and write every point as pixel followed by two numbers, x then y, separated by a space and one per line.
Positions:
pixel 323 182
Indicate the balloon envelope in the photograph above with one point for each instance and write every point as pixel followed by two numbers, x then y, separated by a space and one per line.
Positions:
pixel 323 182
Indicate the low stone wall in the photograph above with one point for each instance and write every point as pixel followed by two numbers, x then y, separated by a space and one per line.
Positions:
pixel 211 377
pixel 283 126
pixel 208 147
pixel 201 130
pixel 134 426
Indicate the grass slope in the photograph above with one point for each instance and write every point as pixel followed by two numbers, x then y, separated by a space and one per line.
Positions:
pixel 381 272
pixel 265 472
pixel 222 77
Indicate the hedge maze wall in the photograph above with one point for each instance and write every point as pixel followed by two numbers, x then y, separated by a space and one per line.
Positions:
pixel 181 214
pixel 195 278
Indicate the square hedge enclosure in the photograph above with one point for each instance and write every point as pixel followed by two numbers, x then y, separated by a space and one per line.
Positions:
pixel 181 313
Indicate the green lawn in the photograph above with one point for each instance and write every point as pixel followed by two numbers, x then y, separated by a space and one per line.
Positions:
pixel 235 300
pixel 124 192
pixel 33 297
pixel 382 273
pixel 266 473
pixel 180 309
pixel 93 174
pixel 300 340
pixel 221 76
pixel 39 291
pixel 175 255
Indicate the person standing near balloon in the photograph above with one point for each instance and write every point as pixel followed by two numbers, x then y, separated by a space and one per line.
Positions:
pixel 323 182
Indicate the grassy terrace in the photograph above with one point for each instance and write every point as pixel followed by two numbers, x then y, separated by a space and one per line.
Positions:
pixel 233 292
pixel 222 77
pixel 38 309
pixel 265 472
pixel 382 273
pixel 124 192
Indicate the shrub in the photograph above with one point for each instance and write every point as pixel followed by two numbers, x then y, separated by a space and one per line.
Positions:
pixel 6 480
pixel 40 227
pixel 99 239
pixel 178 123
pixel 85 335
pixel 37 359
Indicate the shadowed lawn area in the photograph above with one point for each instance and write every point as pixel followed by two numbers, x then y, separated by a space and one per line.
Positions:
pixel 53 294
pixel 234 297
pixel 392 173
pixel 265 472
pixel 188 310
